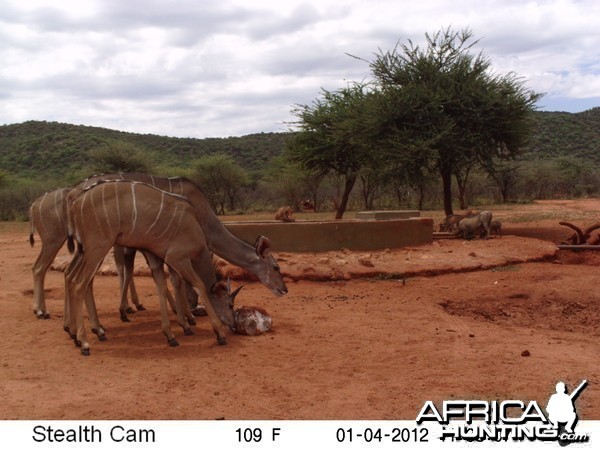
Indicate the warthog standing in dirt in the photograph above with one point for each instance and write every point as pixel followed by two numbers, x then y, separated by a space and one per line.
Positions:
pixel 495 229
pixel 451 220
pixel 469 226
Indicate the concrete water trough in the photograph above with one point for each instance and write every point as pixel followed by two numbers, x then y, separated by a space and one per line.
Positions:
pixel 328 235
pixel 388 215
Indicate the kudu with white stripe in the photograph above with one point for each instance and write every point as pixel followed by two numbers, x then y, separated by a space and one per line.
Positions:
pixel 256 260
pixel 136 215
pixel 47 216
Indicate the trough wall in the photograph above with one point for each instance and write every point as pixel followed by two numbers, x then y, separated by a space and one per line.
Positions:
pixel 322 236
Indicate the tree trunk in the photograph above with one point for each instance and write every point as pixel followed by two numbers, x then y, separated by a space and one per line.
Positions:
pixel 345 196
pixel 461 182
pixel 446 173
pixel 421 196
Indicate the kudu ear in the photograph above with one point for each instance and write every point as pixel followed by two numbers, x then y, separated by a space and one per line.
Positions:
pixel 219 288
pixel 262 246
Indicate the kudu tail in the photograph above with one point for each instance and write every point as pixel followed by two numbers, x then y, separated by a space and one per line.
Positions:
pixel 31 228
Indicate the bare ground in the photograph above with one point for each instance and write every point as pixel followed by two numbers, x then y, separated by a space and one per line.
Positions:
pixel 359 336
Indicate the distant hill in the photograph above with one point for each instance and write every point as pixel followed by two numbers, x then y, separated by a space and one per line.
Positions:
pixel 566 134
pixel 54 149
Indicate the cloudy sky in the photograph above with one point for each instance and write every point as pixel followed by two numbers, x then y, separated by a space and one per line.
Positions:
pixel 217 68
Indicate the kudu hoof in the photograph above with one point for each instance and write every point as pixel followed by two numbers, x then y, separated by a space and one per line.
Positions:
pixel 173 342
pixel 188 332
pixel 125 319
pixel 140 308
pixel 42 316
pixel 77 342
pixel 130 310
pixel 66 329
pixel 221 340
pixel 101 336
pixel 85 351
pixel 191 321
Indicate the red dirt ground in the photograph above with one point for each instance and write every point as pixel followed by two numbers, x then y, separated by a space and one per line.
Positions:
pixel 359 336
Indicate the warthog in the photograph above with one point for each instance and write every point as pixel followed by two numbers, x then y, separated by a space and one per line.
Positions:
pixel 452 219
pixel 469 226
pixel 495 229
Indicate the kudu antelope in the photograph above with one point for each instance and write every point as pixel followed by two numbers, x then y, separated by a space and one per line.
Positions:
pixel 255 259
pixel 137 215
pixel 47 216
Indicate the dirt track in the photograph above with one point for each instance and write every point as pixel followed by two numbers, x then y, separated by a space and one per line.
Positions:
pixel 352 348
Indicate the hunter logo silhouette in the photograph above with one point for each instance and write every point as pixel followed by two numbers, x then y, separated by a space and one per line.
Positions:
pixel 561 408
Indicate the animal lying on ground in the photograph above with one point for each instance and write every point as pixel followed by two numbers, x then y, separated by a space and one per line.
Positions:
pixel 469 226
pixel 285 214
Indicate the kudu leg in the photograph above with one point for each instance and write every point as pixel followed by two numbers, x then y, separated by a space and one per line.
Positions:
pixel 128 273
pixel 68 318
pixel 181 295
pixel 39 269
pixel 158 273
pixel 124 262
pixel 187 272
pixel 90 305
pixel 79 282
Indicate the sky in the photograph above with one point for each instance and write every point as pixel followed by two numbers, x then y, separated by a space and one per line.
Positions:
pixel 219 68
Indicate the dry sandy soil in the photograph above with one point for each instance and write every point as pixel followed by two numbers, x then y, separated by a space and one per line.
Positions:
pixel 359 336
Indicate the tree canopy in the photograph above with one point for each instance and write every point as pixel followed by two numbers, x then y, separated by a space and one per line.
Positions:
pixel 447 101
pixel 333 136
pixel 438 108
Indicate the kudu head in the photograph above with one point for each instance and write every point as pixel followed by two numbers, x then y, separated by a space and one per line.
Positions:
pixel 268 271
pixel 222 300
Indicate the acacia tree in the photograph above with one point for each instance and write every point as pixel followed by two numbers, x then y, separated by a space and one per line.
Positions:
pixel 332 138
pixel 221 178
pixel 120 157
pixel 446 102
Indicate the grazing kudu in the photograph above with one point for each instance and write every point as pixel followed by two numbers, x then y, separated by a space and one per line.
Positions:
pixel 137 215
pixel 255 259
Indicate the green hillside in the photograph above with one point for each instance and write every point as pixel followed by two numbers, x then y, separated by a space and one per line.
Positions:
pixel 55 149
pixel 35 156
pixel 566 134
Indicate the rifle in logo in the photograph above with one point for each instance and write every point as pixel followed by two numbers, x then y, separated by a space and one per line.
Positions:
pixel 561 410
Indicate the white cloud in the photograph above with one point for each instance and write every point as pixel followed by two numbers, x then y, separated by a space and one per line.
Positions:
pixel 232 67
